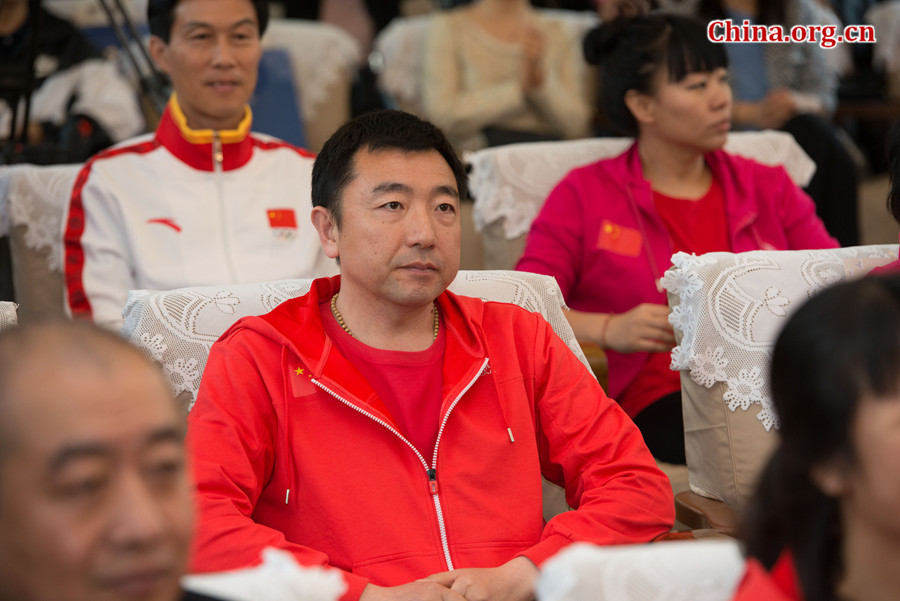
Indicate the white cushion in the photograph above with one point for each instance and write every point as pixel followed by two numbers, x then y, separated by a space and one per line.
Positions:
pixel 278 578
pixel 177 328
pixel 705 570
pixel 727 310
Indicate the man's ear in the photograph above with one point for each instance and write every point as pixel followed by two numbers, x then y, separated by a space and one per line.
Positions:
pixel 159 53
pixel 641 105
pixel 329 235
pixel 832 477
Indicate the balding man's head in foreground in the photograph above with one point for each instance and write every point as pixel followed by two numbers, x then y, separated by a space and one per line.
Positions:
pixel 95 500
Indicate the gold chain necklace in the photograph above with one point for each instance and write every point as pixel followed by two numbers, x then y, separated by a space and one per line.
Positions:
pixel 340 318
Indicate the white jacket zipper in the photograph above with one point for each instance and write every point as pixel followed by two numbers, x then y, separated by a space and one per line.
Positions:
pixel 431 472
pixel 218 168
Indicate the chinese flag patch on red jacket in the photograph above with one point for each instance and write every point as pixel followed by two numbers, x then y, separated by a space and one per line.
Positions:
pixel 282 218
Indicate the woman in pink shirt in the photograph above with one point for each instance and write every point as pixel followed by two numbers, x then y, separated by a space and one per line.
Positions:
pixel 608 230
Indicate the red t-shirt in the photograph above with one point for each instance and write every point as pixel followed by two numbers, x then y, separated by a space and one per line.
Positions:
pixel 695 226
pixel 407 385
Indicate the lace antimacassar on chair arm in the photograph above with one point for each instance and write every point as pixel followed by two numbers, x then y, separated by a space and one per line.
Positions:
pixel 727 311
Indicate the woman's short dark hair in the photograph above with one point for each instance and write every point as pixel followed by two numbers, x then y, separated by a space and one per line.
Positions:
pixel 631 51
pixel 376 130
pixel 161 16
pixel 840 346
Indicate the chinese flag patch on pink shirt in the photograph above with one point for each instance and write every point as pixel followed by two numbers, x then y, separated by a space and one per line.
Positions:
pixel 619 239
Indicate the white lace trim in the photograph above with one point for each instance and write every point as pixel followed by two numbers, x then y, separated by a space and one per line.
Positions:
pixel 727 310
pixel 36 197
pixel 177 328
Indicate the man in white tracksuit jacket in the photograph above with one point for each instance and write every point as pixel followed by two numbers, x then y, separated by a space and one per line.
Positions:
pixel 202 200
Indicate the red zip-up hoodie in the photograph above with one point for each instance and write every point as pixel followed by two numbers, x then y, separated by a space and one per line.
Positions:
pixel 291 450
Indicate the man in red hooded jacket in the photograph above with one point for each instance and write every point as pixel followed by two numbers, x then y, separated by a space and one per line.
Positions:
pixel 388 428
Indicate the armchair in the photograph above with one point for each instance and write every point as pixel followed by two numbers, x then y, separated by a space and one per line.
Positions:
pixel 727 310
pixel 324 60
pixel 33 200
pixel 510 184
pixel 177 328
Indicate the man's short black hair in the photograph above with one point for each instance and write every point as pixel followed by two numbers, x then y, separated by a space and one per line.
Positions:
pixel 377 130
pixel 161 16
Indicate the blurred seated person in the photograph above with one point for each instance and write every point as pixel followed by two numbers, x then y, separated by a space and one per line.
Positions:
pixel 790 87
pixel 608 229
pixel 202 200
pixel 823 524
pixel 498 72
pixel 95 497
pixel 81 103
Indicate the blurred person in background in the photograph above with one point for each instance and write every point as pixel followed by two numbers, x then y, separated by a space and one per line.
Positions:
pixel 498 72
pixel 81 102
pixel 789 86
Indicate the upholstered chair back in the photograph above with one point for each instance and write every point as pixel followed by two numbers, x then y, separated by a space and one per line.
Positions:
pixel 727 310
pixel 510 183
pixel 176 328
pixel 33 200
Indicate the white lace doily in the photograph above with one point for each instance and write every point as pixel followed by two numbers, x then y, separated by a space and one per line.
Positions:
pixel 36 197
pixel 178 327
pixel 7 315
pixel 512 182
pixel 728 309
pixel 704 570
